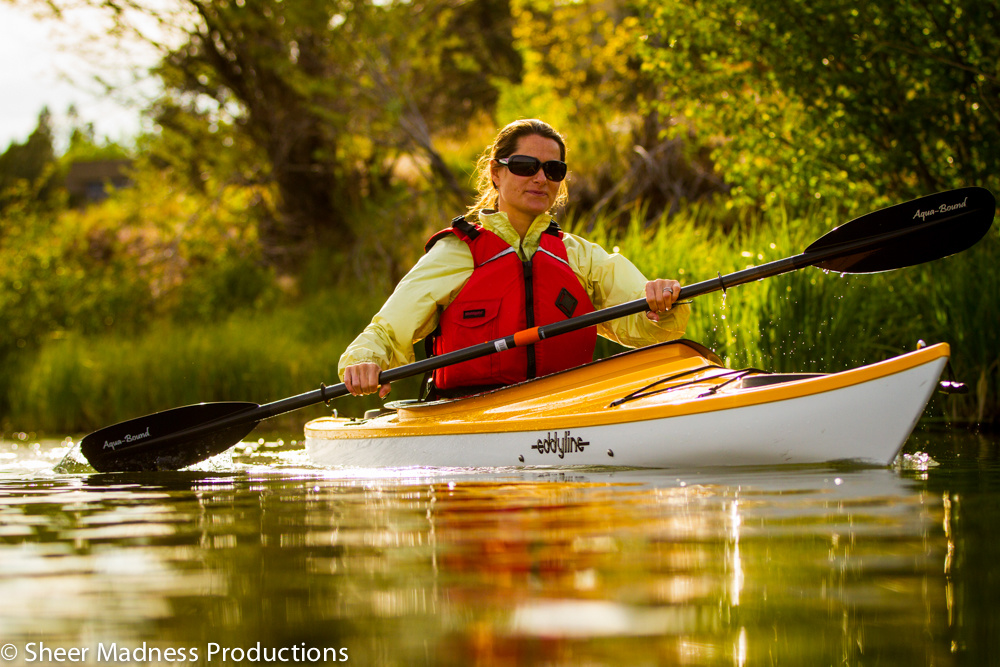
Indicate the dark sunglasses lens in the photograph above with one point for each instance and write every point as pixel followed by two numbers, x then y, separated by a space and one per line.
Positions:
pixel 554 170
pixel 523 165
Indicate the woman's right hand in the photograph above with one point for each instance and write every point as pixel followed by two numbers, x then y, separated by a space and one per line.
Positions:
pixel 660 296
pixel 361 379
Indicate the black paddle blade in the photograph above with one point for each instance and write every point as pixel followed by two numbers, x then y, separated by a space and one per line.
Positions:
pixel 168 440
pixel 906 234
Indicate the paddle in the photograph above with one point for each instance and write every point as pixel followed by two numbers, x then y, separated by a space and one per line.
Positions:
pixel 903 235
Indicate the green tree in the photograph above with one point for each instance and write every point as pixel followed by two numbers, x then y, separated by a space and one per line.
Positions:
pixel 830 98
pixel 329 93
pixel 584 74
pixel 85 145
pixel 26 169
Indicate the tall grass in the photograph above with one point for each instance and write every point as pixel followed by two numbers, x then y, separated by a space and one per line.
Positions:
pixel 77 383
pixel 807 320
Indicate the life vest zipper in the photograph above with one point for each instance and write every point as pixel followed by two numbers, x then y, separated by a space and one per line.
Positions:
pixel 529 313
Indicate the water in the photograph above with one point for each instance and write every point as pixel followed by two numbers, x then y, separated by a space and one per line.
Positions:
pixel 260 557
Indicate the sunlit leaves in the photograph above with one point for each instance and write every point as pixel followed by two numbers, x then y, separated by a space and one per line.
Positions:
pixel 885 97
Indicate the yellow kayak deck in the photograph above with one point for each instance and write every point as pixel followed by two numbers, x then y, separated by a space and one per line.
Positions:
pixel 667 380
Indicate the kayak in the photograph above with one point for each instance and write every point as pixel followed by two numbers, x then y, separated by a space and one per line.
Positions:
pixel 673 404
pixel 665 405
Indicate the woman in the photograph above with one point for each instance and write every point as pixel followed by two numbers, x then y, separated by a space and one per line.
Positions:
pixel 506 266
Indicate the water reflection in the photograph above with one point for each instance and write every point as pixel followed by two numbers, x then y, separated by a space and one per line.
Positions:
pixel 753 566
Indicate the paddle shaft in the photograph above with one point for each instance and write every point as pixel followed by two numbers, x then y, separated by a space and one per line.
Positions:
pixel 529 336
pixel 519 339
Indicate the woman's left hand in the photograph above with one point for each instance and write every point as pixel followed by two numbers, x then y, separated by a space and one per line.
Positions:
pixel 660 296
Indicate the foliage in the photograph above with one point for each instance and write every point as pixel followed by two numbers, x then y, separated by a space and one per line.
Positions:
pixel 32 176
pixel 830 99
pixel 148 253
pixel 582 52
pixel 200 149
pixel 28 161
pixel 583 75
pixel 86 146
pixel 328 95
pixel 261 357
pixel 26 170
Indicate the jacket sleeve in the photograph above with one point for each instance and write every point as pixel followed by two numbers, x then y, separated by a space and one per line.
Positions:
pixel 611 279
pixel 411 311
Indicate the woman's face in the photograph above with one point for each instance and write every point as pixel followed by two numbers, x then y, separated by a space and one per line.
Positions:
pixel 527 197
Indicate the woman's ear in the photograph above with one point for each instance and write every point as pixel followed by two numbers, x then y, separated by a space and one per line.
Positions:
pixel 494 168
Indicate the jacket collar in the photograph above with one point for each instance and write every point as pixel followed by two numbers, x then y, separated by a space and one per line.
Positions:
pixel 497 222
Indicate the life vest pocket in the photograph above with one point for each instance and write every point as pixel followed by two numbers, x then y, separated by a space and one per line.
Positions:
pixel 472 323
pixel 477 314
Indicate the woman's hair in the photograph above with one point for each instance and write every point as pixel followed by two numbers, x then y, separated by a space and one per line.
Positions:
pixel 505 145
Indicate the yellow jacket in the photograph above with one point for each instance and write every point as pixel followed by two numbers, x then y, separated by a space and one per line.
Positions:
pixel 411 312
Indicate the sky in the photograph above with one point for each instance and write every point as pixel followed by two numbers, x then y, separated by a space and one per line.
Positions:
pixel 44 63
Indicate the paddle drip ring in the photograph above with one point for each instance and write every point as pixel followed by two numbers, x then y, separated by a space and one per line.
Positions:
pixel 322 394
pixel 722 283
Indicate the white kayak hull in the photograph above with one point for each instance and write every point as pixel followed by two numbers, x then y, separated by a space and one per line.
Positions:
pixel 866 418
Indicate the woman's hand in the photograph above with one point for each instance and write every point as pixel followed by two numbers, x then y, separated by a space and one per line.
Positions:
pixel 660 296
pixel 361 379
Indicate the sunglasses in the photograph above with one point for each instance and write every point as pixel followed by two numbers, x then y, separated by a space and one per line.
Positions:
pixel 525 165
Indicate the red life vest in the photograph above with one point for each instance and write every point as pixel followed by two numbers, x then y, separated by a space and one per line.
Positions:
pixel 505 295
